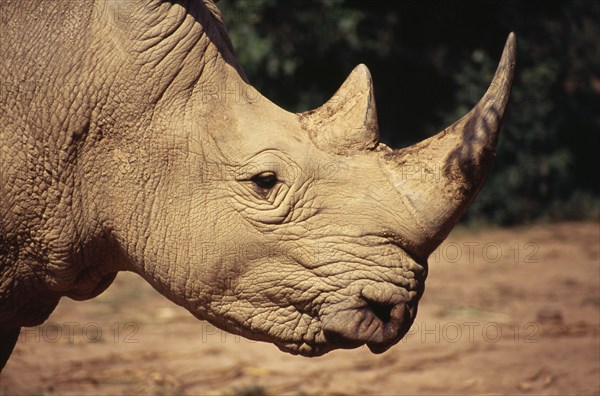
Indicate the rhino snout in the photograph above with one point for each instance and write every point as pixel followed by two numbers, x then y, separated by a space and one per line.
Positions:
pixel 376 321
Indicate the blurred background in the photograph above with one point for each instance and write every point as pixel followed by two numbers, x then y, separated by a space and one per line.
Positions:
pixel 431 61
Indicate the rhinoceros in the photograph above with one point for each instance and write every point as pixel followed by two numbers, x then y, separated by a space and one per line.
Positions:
pixel 131 140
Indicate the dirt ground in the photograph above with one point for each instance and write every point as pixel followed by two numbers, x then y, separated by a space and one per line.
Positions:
pixel 505 311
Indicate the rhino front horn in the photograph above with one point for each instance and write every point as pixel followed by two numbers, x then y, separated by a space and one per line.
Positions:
pixel 348 121
pixel 439 177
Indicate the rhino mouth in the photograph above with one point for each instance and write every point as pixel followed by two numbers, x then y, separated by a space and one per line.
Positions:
pixel 352 329
pixel 373 319
pixel 372 311
pixel 306 349
pixel 377 325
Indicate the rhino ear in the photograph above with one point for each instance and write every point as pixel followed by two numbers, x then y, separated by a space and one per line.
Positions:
pixel 348 121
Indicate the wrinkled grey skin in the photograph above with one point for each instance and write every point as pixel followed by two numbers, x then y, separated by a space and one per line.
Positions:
pixel 131 141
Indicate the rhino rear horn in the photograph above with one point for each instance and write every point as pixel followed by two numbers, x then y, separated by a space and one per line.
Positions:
pixel 348 121
pixel 439 177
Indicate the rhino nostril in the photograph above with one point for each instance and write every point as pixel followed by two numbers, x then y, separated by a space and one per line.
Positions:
pixel 382 311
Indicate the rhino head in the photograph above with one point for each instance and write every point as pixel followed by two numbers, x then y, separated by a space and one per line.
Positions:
pixel 298 229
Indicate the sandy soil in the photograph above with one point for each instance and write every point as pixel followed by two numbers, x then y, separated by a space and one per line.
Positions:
pixel 507 311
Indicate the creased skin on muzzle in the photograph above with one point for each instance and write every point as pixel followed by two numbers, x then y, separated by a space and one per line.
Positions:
pixel 352 328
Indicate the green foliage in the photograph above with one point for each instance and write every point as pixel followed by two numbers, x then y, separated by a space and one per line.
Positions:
pixel 431 62
pixel 276 42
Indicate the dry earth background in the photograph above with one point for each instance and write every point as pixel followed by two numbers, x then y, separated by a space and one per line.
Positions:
pixel 509 311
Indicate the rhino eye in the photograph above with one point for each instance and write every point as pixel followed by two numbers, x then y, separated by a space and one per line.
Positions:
pixel 265 180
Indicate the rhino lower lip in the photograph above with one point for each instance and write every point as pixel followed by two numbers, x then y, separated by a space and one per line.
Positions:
pixel 378 348
pixel 340 341
pixel 303 348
